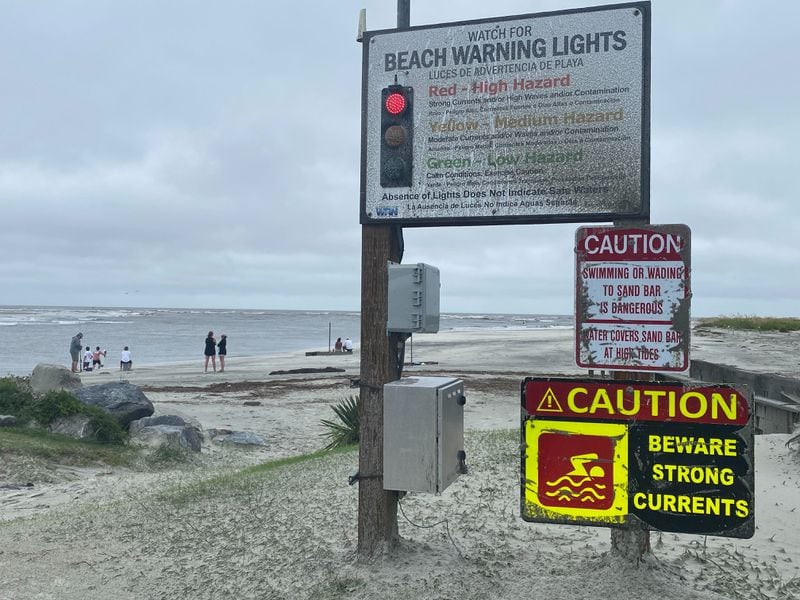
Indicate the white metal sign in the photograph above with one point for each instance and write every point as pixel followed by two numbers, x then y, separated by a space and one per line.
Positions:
pixel 534 118
pixel 632 298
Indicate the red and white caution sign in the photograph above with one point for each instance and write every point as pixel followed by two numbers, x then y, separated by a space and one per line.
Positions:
pixel 632 298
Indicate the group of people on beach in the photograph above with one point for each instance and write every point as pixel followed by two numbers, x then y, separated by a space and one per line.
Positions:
pixel 214 348
pixel 343 346
pixel 93 359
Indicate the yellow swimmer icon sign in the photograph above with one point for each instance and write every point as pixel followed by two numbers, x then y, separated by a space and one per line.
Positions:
pixel 575 470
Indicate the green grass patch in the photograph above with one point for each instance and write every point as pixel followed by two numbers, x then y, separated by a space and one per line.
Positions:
pixel 61 449
pixel 164 457
pixel 782 324
pixel 241 479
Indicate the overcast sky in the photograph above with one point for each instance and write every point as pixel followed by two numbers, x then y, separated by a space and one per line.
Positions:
pixel 206 154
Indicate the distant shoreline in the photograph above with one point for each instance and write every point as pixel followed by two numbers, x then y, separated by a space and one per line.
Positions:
pixel 167 336
pixel 544 348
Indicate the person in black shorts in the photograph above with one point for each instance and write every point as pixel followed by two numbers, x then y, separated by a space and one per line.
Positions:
pixel 211 351
pixel 222 350
pixel 97 358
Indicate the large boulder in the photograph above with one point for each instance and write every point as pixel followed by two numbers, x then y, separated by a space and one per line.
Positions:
pixel 49 378
pixel 175 419
pixel 125 401
pixel 148 429
pixel 176 437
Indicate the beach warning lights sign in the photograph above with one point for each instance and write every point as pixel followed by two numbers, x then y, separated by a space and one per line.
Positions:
pixel 666 456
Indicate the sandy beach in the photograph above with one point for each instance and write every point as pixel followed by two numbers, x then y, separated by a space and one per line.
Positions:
pixel 290 532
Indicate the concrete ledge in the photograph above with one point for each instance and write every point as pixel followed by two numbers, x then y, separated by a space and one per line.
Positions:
pixel 775 395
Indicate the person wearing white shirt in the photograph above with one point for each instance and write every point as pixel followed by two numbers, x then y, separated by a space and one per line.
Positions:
pixel 125 362
pixel 87 359
pixel 348 345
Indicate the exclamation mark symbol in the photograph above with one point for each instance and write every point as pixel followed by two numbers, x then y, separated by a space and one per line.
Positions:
pixel 549 403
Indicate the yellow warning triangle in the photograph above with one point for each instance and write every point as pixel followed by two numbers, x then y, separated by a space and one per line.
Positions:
pixel 549 402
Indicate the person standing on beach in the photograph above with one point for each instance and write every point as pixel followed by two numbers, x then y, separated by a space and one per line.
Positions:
pixel 223 351
pixel 211 351
pixel 87 359
pixel 75 347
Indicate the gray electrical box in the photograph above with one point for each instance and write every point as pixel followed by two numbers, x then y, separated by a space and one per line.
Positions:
pixel 423 433
pixel 413 298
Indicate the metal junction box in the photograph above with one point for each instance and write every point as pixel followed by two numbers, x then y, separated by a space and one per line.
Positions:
pixel 413 298
pixel 423 433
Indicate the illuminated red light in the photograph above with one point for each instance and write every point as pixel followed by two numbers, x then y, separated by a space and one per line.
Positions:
pixel 395 103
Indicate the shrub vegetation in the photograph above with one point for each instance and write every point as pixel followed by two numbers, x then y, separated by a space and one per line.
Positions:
pixel 344 431
pixel 14 398
pixel 17 401
pixel 782 324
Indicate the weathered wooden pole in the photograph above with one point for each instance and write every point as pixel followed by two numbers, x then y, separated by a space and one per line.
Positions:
pixel 631 543
pixel 377 508
pixel 380 244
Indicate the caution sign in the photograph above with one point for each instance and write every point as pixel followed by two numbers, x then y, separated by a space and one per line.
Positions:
pixel 663 456
pixel 632 297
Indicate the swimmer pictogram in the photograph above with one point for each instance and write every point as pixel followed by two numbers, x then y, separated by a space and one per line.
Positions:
pixel 576 471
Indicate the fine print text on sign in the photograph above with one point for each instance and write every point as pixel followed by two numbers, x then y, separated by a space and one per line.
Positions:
pixel 625 453
pixel 534 118
pixel 632 297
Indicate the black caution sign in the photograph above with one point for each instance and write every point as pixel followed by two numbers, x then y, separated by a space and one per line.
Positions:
pixel 658 455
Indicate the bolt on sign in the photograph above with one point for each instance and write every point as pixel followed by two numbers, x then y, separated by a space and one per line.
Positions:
pixel 632 297
pixel 533 118
pixel 665 456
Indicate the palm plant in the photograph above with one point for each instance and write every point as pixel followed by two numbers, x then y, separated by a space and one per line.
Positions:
pixel 345 430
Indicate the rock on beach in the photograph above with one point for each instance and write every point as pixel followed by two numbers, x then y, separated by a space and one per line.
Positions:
pixel 50 378
pixel 168 430
pixel 125 402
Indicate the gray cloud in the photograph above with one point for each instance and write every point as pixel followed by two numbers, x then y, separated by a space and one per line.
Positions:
pixel 184 154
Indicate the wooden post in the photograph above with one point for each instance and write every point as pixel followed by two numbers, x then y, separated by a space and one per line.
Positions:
pixel 377 508
pixel 381 363
pixel 631 543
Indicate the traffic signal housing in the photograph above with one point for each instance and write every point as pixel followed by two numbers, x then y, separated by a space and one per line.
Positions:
pixel 397 136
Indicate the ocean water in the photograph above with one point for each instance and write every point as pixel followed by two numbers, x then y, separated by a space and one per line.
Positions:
pixel 33 334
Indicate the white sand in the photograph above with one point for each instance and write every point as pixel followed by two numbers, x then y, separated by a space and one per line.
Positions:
pixel 292 533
